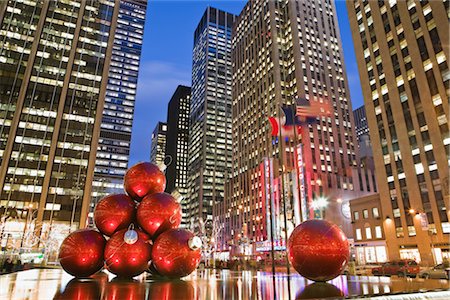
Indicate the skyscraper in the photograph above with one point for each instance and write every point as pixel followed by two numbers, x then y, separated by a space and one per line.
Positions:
pixel 115 133
pixel 361 126
pixel 287 54
pixel 158 146
pixel 402 52
pixel 209 163
pixel 177 143
pixel 54 61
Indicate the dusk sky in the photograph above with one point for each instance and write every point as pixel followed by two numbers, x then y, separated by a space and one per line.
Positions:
pixel 167 61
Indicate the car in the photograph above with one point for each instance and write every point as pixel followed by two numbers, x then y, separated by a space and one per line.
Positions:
pixel 360 270
pixel 440 271
pixel 402 267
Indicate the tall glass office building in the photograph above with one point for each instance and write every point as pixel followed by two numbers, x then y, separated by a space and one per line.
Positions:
pixel 209 163
pixel 54 58
pixel 115 133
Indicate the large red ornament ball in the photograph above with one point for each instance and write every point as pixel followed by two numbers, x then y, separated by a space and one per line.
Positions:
pixel 176 253
pixel 113 213
pixel 81 252
pixel 127 260
pixel 318 250
pixel 144 179
pixel 158 213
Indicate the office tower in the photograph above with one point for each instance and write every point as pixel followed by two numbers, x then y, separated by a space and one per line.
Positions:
pixel 209 163
pixel 177 144
pixel 288 54
pixel 54 61
pixel 361 127
pixel 366 168
pixel 402 52
pixel 115 134
pixel 158 146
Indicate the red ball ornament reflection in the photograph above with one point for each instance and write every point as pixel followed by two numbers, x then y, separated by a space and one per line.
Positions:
pixel 113 213
pixel 80 289
pixel 171 289
pixel 118 289
pixel 318 250
pixel 158 213
pixel 81 252
pixel 127 260
pixel 176 253
pixel 144 179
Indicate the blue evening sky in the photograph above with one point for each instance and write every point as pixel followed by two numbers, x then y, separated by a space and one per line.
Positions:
pixel 166 61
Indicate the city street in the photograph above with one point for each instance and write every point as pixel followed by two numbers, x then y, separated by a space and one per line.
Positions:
pixel 211 284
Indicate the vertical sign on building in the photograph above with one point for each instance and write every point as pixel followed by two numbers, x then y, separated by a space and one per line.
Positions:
pixel 301 181
pixel 267 192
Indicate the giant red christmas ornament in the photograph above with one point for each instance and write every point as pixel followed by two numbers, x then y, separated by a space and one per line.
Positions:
pixel 144 179
pixel 318 250
pixel 158 213
pixel 81 252
pixel 176 253
pixel 113 213
pixel 127 257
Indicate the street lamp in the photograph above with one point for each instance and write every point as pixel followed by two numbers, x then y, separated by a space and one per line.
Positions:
pixel 319 204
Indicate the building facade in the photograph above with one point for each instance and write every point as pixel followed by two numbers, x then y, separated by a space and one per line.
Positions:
pixel 177 142
pixel 115 134
pixel 209 163
pixel 54 62
pixel 158 144
pixel 402 52
pixel 369 245
pixel 287 54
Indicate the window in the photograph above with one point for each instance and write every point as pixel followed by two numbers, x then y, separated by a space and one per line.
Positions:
pixel 368 233
pixel 365 214
pixel 378 233
pixel 356 216
pixel 375 212
pixel 358 234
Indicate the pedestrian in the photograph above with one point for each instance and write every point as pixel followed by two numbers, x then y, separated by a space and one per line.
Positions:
pixel 8 265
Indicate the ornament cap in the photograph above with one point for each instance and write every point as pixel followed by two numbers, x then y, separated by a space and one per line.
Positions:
pixel 195 243
pixel 131 236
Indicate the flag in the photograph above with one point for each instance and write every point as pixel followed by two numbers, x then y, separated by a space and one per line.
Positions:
pixel 283 129
pixel 314 109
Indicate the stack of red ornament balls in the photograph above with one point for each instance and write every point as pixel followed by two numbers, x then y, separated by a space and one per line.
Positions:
pixel 141 230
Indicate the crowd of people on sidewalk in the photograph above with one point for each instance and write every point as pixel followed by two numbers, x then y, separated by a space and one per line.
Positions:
pixel 9 265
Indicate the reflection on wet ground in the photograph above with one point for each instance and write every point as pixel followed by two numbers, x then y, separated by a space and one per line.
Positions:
pixel 207 284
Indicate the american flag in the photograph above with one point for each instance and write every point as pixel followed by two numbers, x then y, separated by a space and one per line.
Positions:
pixel 306 108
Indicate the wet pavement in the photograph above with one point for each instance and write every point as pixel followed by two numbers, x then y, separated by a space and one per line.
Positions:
pixel 211 285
